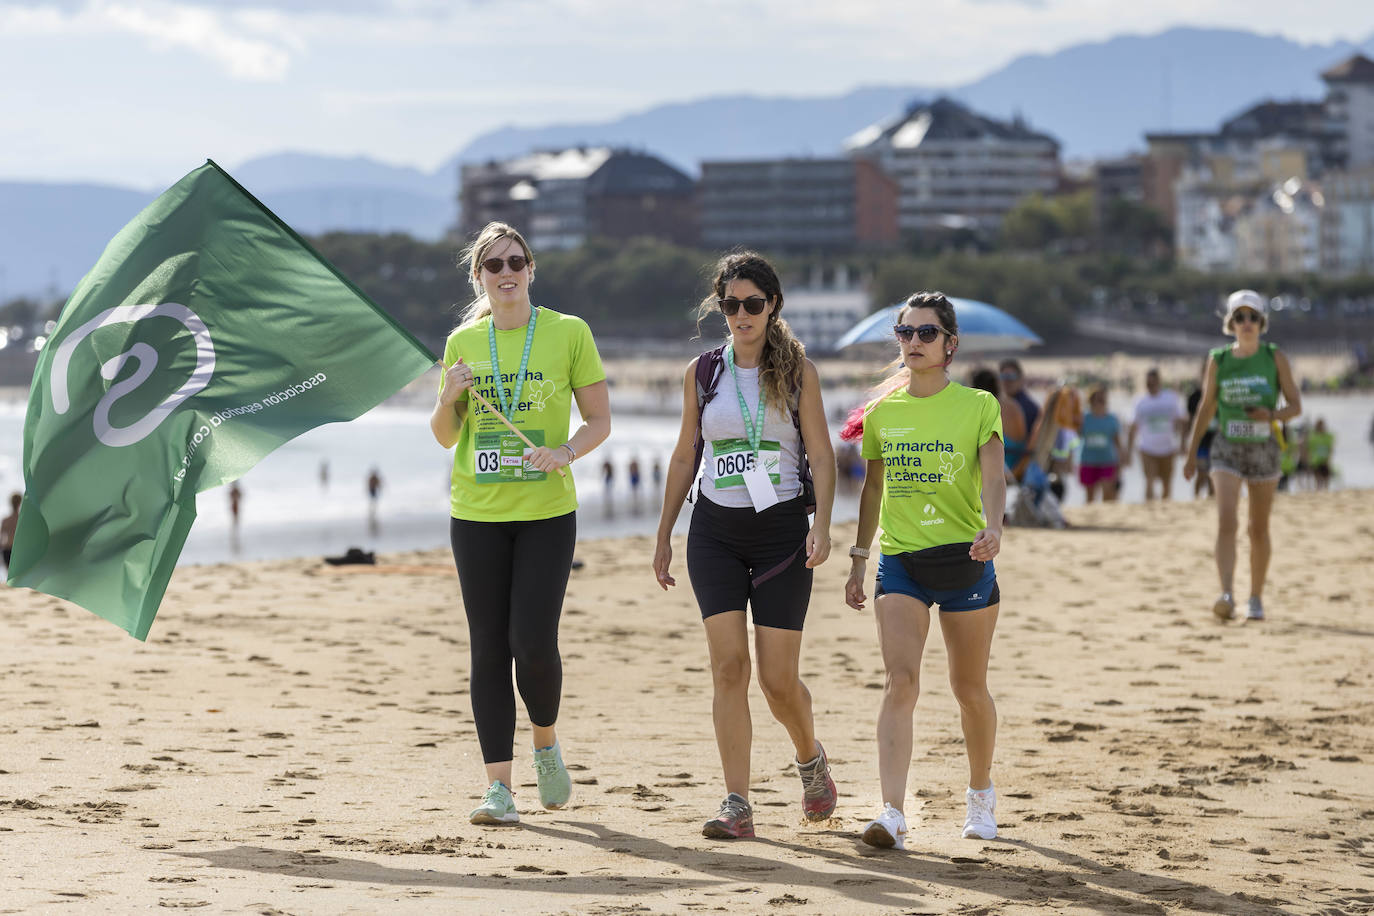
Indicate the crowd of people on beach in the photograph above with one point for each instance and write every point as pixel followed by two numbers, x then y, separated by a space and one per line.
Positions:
pixel 932 460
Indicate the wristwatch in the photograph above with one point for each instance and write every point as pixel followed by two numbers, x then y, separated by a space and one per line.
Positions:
pixel 859 552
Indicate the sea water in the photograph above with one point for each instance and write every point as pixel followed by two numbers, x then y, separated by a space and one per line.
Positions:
pixel 288 510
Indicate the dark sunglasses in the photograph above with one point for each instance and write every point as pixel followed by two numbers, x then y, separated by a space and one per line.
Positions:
pixel 1245 315
pixel 927 332
pixel 517 263
pixel 753 305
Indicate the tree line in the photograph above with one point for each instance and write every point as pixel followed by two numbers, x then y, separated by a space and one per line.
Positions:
pixel 1048 264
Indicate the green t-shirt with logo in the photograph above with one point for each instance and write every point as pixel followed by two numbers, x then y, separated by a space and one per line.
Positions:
pixel 1319 446
pixel 1251 381
pixel 932 479
pixel 491 481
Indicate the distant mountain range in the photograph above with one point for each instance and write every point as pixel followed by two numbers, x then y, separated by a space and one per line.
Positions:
pixel 1098 99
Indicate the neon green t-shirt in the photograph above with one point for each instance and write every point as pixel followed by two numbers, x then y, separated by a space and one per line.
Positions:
pixel 491 482
pixel 932 479
pixel 1319 446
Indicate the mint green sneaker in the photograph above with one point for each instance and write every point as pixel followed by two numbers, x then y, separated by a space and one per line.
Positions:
pixel 498 807
pixel 555 787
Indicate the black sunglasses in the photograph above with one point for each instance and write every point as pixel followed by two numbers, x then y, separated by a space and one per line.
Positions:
pixel 753 305
pixel 517 263
pixel 1245 315
pixel 927 332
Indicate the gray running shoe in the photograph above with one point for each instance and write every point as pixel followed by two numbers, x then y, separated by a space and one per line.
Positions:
pixel 734 821
pixel 1225 607
pixel 1256 611
pixel 818 789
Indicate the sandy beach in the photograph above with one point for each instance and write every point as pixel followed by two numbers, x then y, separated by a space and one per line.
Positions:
pixel 296 738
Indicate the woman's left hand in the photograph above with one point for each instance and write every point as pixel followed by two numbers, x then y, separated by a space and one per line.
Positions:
pixel 548 459
pixel 817 548
pixel 986 545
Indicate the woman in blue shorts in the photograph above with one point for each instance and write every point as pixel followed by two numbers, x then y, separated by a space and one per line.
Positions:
pixel 935 484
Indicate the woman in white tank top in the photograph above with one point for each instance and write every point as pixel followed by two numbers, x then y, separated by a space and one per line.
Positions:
pixel 751 546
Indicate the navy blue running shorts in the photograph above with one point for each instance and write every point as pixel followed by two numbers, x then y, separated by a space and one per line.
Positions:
pixel 893 579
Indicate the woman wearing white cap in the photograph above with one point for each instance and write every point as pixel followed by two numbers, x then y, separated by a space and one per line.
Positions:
pixel 1242 386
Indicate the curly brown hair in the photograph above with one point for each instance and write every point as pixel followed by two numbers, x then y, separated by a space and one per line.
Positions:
pixel 784 356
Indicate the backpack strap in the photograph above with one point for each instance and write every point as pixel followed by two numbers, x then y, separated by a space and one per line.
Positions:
pixel 710 365
pixel 803 465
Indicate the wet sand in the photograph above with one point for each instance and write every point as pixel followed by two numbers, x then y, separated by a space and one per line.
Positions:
pixel 296 738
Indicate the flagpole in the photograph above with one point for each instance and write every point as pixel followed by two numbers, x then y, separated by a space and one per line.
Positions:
pixel 502 417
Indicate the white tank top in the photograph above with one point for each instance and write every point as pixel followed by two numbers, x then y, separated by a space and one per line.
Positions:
pixel 727 451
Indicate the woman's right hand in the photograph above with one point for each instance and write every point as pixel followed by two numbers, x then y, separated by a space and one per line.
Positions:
pixel 457 379
pixel 663 556
pixel 854 588
pixel 1189 467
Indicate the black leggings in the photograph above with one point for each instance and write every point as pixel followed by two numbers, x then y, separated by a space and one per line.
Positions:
pixel 513 576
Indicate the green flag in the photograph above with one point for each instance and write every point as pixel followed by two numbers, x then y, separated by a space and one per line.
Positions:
pixel 207 335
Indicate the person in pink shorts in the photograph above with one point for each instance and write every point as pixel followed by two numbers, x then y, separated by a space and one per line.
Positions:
pixel 1099 466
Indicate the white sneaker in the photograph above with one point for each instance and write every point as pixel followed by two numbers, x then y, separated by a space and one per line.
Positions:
pixel 1256 611
pixel 979 823
pixel 887 830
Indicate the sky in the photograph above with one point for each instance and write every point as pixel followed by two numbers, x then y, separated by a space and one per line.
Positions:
pixel 138 92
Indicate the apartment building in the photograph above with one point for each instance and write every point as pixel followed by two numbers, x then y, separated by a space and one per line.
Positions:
pixel 797 205
pixel 561 198
pixel 957 169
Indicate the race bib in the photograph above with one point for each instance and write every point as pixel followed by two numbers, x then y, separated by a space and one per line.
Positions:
pixel 732 457
pixel 1159 424
pixel 1247 429
pixel 1097 441
pixel 501 457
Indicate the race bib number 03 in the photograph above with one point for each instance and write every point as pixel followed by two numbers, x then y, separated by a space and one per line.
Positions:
pixel 733 457
pixel 1247 429
pixel 500 458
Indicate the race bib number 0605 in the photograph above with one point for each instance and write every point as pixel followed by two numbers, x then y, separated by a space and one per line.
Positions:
pixel 732 457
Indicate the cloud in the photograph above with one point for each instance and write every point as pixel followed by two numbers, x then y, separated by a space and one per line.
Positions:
pixel 206 33
pixel 329 7
pixel 249 45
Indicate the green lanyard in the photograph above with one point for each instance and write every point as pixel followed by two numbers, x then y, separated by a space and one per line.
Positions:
pixel 509 409
pixel 755 429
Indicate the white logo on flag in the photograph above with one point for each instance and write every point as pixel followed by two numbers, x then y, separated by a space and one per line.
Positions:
pixel 146 356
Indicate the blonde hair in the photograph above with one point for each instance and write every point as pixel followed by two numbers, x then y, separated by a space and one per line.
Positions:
pixel 784 356
pixel 473 256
